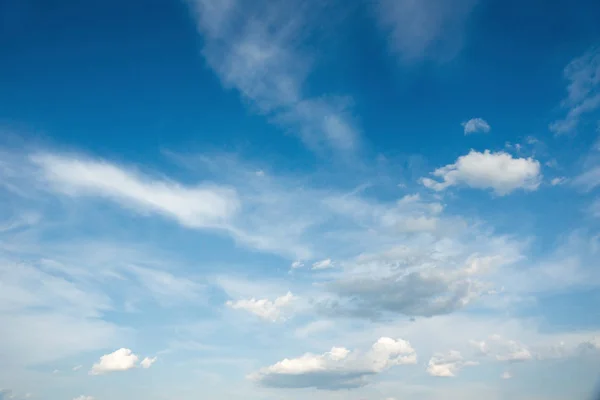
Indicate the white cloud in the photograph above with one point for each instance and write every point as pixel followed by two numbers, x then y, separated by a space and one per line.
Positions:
pixel 264 308
pixel 323 264
pixel 559 180
pixel 201 206
pixel 147 362
pixel 84 398
pixel 506 375
pixel 583 97
pixel 77 367
pixel 476 125
pixel 297 264
pixel 257 51
pixel 497 171
pixel 427 29
pixel 120 360
pixel 447 365
pixel 339 368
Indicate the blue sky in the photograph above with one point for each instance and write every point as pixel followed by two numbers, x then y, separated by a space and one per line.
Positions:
pixel 374 200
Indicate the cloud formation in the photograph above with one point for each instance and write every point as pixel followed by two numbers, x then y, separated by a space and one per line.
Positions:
pixel 583 91
pixel 427 29
pixel 258 51
pixel 118 361
pixel 339 368
pixel 202 206
pixel 447 365
pixel 476 125
pixel 497 171
pixel 264 308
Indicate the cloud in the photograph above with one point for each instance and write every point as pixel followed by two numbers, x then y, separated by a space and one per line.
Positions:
pixel 339 368
pixel 201 206
pixel 77 367
pixel 84 398
pixel 588 180
pixel 583 91
pixel 428 29
pixel 147 362
pixel 167 288
pixel 258 51
pixel 497 171
pixel 264 308
pixel 447 365
pixel 297 264
pixel 505 350
pixel 559 180
pixel 120 360
pixel 476 125
pixel 323 264
pixel 506 375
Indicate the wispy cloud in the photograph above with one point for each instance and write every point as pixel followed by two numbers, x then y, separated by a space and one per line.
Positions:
pixel 583 91
pixel 259 52
pixel 427 29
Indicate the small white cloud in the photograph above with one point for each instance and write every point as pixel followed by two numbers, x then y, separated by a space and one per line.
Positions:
pixel 84 398
pixel 560 180
pixel 476 125
pixel 120 360
pixel 323 264
pixel 339 368
pixel 264 308
pixel 147 362
pixel 497 171
pixel 447 365
pixel 506 375
pixel 77 367
pixel 297 264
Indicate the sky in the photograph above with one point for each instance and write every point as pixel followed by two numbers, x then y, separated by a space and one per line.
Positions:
pixel 363 200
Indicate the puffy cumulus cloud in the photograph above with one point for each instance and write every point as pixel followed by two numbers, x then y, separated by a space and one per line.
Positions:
pixel 147 362
pixel 264 308
pixel 200 206
pixel 120 360
pixel 447 365
pixel 497 171
pixel 476 125
pixel 339 368
pixel 583 91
